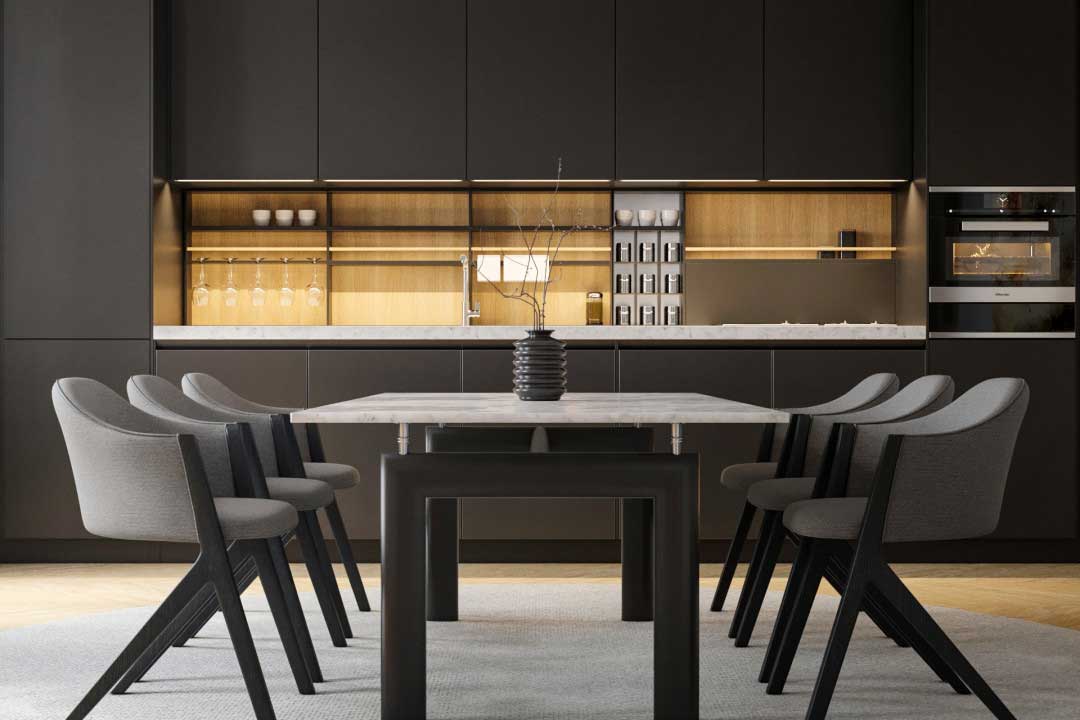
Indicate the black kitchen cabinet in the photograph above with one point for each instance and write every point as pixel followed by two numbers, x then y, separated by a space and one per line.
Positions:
pixel 337 375
pixel 742 375
pixel 803 377
pixel 588 370
pixel 391 89
pixel 38 487
pixel 1041 495
pixel 77 155
pixel 838 89
pixel 541 86
pixel 1001 92
pixel 688 89
pixel 245 89
pixel 272 377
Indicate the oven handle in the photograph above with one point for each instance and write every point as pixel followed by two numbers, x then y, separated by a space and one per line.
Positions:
pixel 1005 225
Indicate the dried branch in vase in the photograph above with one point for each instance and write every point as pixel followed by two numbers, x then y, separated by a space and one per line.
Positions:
pixel 544 239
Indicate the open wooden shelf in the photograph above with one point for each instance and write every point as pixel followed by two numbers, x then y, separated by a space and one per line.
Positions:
pixel 786 248
pixel 257 248
pixel 259 228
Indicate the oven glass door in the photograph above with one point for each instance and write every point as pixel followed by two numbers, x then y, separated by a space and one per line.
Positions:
pixel 1016 252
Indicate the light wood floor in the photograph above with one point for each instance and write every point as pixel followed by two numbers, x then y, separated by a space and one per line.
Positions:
pixel 31 594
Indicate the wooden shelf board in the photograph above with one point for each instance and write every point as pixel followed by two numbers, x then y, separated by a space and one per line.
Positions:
pixel 258 228
pixel 791 248
pixel 255 248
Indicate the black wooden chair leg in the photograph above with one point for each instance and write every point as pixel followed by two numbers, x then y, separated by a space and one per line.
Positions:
pixel 732 560
pixel 319 582
pixel 851 603
pixel 195 578
pixel 229 598
pixel 783 615
pixel 296 611
pixel 275 598
pixel 928 630
pixel 323 556
pixel 751 573
pixel 773 542
pixel 246 573
pixel 809 580
pixel 341 538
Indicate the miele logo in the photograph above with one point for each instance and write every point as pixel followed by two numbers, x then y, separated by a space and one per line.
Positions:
pixel 1002 294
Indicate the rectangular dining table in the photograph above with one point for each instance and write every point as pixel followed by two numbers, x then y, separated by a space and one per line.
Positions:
pixel 412 482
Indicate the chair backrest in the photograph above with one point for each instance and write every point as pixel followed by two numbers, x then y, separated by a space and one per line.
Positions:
pixel 950 474
pixel 918 398
pixel 867 393
pixel 219 393
pixel 130 471
pixel 540 439
pixel 210 393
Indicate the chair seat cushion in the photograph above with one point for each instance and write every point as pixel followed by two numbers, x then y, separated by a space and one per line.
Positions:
pixel 254 518
pixel 336 475
pixel 740 477
pixel 826 518
pixel 302 493
pixel 778 493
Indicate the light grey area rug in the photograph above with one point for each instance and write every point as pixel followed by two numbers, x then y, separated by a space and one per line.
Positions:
pixel 536 651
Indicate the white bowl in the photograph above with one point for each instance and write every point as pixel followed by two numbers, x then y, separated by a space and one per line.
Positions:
pixel 306 217
pixel 646 218
pixel 283 218
pixel 624 217
pixel 260 217
pixel 669 218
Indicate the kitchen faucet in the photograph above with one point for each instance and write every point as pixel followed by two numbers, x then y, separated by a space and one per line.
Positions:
pixel 467 311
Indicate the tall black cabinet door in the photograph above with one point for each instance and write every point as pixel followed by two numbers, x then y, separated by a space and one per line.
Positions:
pixel 688 89
pixel 391 89
pixel 1001 92
pixel 39 499
pixel 838 94
pixel 1041 494
pixel 77 150
pixel 742 375
pixel 245 89
pixel 541 87
pixel 336 375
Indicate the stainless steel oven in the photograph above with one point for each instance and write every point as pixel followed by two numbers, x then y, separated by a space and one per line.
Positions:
pixel 1002 262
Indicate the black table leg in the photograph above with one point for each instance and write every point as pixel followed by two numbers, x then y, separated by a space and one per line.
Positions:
pixel 404 631
pixel 637 559
pixel 675 652
pixel 442 559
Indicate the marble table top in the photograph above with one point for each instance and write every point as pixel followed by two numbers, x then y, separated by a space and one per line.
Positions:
pixel 573 408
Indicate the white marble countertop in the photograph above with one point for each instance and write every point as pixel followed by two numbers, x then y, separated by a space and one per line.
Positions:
pixel 594 333
pixel 499 408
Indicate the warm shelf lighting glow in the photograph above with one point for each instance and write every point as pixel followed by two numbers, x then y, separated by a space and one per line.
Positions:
pixel 549 181
pixel 697 180
pixel 390 180
pixel 838 180
pixel 245 180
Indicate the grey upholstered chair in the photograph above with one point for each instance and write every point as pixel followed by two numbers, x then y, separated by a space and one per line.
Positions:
pixel 740 477
pixel 773 495
pixel 159 397
pixel 140 477
pixel 938 477
pixel 280 455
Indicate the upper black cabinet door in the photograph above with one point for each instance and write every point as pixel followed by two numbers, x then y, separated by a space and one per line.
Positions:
pixel 688 95
pixel 76 169
pixel 541 87
pixel 838 89
pixel 391 89
pixel 1001 92
pixel 245 89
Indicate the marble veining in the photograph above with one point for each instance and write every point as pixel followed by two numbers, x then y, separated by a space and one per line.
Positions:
pixel 614 333
pixel 573 408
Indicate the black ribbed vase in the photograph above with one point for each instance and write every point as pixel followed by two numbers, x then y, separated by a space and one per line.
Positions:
pixel 539 367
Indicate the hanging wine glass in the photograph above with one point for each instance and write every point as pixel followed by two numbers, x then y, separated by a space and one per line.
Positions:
pixel 232 295
pixel 258 292
pixel 314 290
pixel 285 295
pixel 200 293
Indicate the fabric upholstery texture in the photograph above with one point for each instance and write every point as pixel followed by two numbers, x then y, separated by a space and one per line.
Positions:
pixel 741 476
pixel 826 518
pixel 205 390
pixel 778 493
pixel 254 518
pixel 336 475
pixel 302 493
pixel 867 393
